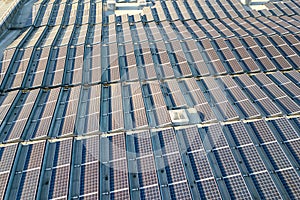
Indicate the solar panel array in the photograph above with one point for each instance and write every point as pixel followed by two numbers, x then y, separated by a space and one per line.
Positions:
pixel 86 99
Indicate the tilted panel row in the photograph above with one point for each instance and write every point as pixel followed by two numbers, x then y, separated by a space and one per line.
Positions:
pixel 258 96
pixel 218 98
pixel 112 108
pixel 7 158
pixel 14 123
pixel 277 95
pixel 239 98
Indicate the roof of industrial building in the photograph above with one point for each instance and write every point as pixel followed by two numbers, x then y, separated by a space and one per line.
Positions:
pixel 185 100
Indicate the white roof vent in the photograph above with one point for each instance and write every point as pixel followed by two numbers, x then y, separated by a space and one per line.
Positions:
pixel 179 117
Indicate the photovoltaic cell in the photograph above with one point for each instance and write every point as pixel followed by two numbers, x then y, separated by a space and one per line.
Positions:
pixel 208 189
pixel 237 187
pixel 89 179
pixel 265 186
pixel 7 155
pixel 6 102
pixel 276 156
pixel 252 159
pixel 215 136
pixel 200 165
pixel 180 191
pixel 294 148
pixel 3 179
pixel 192 139
pixel 29 184
pixel 239 133
pixel 63 152
pixel 150 193
pixel 226 162
pixel 117 147
pixel 291 182
pixel 59 182
pixel 167 141
pixel 118 175
pixel 146 171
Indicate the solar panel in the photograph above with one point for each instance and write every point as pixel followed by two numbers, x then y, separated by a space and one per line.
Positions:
pixel 170 11
pixel 90 150
pixel 218 67
pixel 166 71
pixel 208 28
pixel 173 91
pixel 196 30
pixel 226 162
pixel 18 120
pixel 29 172
pixel 35 37
pixel 237 187
pixel 219 99
pixel 5 61
pixel 158 106
pixel 6 101
pixel 276 156
pixel 146 171
pixel 167 142
pixel 179 27
pixel 71 106
pixel 142 143
pixel 180 191
pixel 89 179
pixel 215 136
pixel 67 35
pixel 73 75
pixel 284 128
pixel 200 165
pixel 56 67
pixel 277 94
pixel 137 110
pixel 115 114
pixel 82 35
pixel 121 194
pixel 7 157
pixel 194 91
pixel 47 14
pixel 234 27
pixel 239 134
pixel 3 179
pixel 195 10
pixel 37 73
pixel 291 182
pixel 16 76
pixel 92 116
pixel 117 146
pixel 294 148
pixel 44 119
pixel 208 189
pixel 205 112
pixel 150 193
pixel 192 139
pixel 94 64
pixel 118 175
pixel 265 186
pixel 29 185
pixel 59 182
pixel 259 96
pixel 252 159
pixel 59 17
pixel 294 76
